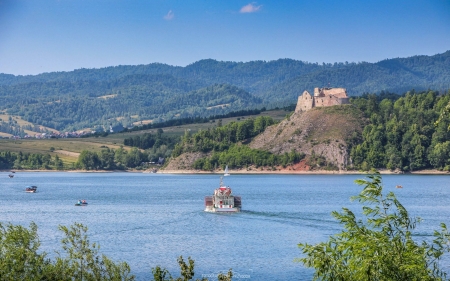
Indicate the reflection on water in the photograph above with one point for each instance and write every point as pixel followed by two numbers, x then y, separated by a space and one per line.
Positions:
pixel 151 219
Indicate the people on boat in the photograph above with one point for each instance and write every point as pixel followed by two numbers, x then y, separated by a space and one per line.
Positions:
pixel 79 201
pixel 84 201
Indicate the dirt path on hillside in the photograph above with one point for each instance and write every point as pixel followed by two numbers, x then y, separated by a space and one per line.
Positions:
pixel 68 153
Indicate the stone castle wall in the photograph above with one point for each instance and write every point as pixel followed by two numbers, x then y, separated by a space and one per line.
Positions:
pixel 305 102
pixel 322 97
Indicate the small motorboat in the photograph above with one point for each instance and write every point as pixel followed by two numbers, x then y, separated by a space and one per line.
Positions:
pixel 10 175
pixel 398 186
pixel 81 203
pixel 31 189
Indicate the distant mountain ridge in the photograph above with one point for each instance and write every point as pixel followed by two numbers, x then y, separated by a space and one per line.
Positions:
pixel 73 100
pixel 393 75
pixel 255 76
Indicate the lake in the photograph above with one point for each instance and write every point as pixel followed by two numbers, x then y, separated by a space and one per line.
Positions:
pixel 151 219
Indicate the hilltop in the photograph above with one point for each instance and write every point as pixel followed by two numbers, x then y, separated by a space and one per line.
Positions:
pixel 324 132
pixel 324 135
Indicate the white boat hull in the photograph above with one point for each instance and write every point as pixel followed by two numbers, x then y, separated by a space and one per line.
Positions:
pixel 222 210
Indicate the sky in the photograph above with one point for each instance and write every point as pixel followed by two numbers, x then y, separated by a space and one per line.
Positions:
pixel 63 35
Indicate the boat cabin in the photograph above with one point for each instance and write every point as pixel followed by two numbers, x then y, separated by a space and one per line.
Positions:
pixel 223 200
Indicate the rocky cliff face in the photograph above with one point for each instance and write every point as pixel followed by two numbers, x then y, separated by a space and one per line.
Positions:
pixel 322 130
pixel 185 161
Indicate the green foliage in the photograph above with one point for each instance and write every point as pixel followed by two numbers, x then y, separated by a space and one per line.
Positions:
pixel 109 159
pixel 106 159
pixel 186 272
pixel 20 258
pixel 240 156
pixel 318 161
pixel 83 261
pixel 400 134
pixel 445 112
pixel 32 161
pixel 225 144
pixel 120 103
pixel 196 120
pixel 381 247
pixel 148 140
pixel 222 137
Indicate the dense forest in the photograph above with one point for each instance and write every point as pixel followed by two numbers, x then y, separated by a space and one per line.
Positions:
pixel 402 133
pixel 29 161
pixel 123 95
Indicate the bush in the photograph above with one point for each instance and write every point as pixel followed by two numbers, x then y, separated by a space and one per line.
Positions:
pixel 380 248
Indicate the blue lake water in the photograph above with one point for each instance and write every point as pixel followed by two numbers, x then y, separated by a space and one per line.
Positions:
pixel 151 219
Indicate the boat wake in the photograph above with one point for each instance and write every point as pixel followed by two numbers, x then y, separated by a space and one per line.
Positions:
pixel 293 218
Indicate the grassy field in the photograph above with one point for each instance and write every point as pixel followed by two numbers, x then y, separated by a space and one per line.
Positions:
pixel 69 149
pixel 277 115
pixel 5 117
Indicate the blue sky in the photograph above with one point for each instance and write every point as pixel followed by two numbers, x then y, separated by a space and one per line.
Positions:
pixel 63 35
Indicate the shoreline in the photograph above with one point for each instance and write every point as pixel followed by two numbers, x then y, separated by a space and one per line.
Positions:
pixel 243 171
pixel 314 172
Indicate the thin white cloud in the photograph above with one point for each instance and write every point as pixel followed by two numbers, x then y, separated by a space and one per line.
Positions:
pixel 250 8
pixel 170 15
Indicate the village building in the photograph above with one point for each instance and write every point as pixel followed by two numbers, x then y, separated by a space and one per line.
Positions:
pixel 322 97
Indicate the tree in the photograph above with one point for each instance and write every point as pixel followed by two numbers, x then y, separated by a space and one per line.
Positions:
pixel 59 165
pixel 83 260
pixel 439 155
pixel 88 160
pixel 445 112
pixel 19 259
pixel 106 157
pixel 380 248
pixel 186 272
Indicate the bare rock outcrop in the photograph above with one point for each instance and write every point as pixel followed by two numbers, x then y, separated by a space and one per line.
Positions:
pixel 185 161
pixel 322 131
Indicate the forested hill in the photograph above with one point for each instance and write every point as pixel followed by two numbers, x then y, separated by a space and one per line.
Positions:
pixel 261 78
pixel 126 94
pixel 392 75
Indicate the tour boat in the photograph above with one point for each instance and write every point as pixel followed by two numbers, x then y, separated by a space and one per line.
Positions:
pixel 223 200
pixel 31 189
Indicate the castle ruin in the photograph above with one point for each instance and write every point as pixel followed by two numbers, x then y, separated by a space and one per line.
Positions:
pixel 322 97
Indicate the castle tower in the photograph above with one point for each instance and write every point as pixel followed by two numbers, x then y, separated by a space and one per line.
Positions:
pixel 305 102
